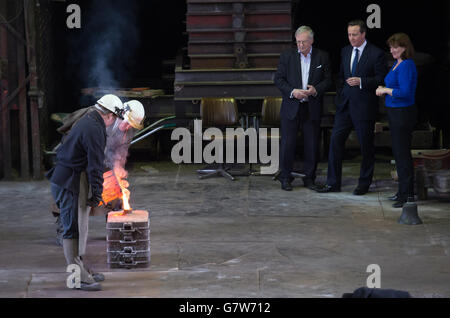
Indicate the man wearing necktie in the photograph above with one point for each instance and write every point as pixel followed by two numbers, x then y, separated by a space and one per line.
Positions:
pixel 363 68
pixel 303 76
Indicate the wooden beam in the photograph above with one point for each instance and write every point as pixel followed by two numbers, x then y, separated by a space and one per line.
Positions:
pixel 30 33
pixel 23 107
pixel 5 128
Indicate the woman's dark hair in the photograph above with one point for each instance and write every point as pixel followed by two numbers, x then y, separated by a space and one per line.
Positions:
pixel 360 23
pixel 403 40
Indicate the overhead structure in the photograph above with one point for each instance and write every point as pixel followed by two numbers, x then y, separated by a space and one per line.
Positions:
pixel 233 48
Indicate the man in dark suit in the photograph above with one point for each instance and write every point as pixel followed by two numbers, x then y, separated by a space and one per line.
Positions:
pixel 303 77
pixel 363 68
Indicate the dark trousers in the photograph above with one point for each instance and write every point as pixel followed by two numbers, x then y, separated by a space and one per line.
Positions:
pixel 401 125
pixel 67 202
pixel 343 125
pixel 311 132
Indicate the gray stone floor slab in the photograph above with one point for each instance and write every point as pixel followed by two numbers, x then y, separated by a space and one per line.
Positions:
pixel 247 238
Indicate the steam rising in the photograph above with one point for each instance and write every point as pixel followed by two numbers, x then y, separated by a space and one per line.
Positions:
pixel 109 37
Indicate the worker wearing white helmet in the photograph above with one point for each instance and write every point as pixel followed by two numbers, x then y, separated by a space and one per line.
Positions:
pixel 120 136
pixel 134 114
pixel 77 179
pixel 112 103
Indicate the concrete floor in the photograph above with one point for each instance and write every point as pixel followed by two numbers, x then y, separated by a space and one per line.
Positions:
pixel 247 238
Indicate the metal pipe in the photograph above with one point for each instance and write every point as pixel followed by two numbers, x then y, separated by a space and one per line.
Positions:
pixel 151 132
pixel 152 125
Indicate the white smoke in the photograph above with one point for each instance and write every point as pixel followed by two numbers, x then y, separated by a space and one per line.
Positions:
pixel 107 42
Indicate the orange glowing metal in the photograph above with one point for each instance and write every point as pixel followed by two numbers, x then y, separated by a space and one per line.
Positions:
pixel 126 199
pixel 125 192
pixel 111 188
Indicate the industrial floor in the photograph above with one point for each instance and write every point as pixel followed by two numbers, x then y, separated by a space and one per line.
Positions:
pixel 244 238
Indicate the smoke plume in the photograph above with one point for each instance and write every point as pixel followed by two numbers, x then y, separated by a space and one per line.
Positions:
pixel 108 40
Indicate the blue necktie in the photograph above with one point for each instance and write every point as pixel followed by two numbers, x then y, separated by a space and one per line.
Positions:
pixel 355 62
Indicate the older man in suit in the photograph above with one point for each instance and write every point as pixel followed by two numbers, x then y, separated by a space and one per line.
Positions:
pixel 363 68
pixel 303 77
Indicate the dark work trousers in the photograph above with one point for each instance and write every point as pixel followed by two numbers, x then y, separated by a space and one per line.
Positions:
pixel 311 132
pixel 343 125
pixel 67 202
pixel 401 125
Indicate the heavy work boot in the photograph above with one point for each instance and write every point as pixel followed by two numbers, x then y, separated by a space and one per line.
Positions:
pixel 98 277
pixel 71 253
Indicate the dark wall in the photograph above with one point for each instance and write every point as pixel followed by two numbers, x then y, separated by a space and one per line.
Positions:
pixel 423 21
pixel 121 43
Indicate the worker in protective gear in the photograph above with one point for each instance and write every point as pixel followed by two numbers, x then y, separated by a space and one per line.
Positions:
pixel 77 179
pixel 121 134
pixel 112 103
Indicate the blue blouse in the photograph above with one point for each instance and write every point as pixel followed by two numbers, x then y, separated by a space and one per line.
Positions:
pixel 403 81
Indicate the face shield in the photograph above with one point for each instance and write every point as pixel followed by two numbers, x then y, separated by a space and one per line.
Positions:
pixel 111 128
pixel 120 128
pixel 119 137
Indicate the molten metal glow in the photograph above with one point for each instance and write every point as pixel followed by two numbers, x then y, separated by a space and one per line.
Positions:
pixel 125 192
pixel 111 188
pixel 126 199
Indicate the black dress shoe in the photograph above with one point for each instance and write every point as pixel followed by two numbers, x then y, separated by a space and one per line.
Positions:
pixel 360 190
pixel 399 204
pixel 393 197
pixel 286 185
pixel 309 183
pixel 291 179
pixel 326 188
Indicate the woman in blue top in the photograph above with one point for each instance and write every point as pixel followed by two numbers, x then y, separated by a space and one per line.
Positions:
pixel 400 91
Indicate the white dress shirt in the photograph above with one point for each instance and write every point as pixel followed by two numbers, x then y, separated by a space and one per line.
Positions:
pixel 306 65
pixel 361 50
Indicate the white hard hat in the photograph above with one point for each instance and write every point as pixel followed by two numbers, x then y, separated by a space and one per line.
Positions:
pixel 134 113
pixel 112 103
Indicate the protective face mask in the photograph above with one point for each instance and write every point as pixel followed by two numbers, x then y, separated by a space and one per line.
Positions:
pixel 112 129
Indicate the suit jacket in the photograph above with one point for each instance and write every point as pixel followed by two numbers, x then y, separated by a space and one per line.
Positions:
pixel 289 76
pixel 372 68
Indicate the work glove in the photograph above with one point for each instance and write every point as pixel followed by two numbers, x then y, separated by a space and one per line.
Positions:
pixel 94 201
